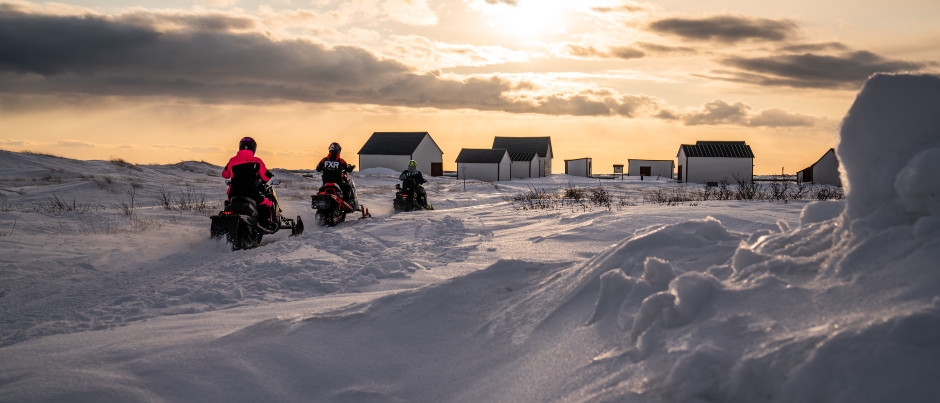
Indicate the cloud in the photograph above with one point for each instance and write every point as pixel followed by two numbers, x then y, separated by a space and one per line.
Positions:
pixel 219 3
pixel 622 8
pixel 726 29
pixel 780 118
pixel 409 12
pixel 420 50
pixel 665 49
pixel 814 47
pixel 636 51
pixel 719 112
pixel 12 143
pixel 208 58
pixel 809 70
pixel 75 144
pixel 616 52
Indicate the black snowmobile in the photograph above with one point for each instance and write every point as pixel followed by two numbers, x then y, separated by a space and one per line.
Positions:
pixel 242 227
pixel 407 197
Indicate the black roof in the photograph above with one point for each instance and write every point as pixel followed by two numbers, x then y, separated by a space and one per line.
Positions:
pixel 522 156
pixel 726 149
pixel 393 143
pixel 480 156
pixel 538 145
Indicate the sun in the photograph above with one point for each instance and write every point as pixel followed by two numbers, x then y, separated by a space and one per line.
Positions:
pixel 527 20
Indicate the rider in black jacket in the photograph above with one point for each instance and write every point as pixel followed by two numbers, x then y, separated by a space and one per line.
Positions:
pixel 413 173
pixel 332 168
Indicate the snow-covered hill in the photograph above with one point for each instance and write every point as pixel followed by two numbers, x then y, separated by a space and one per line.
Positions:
pixel 110 289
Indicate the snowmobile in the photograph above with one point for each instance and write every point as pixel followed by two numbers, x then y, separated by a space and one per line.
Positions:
pixel 239 222
pixel 331 204
pixel 406 197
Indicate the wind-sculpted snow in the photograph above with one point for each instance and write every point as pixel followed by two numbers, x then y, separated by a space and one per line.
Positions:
pixel 886 146
pixel 724 302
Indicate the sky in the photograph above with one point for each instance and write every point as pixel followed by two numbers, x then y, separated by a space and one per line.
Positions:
pixel 168 81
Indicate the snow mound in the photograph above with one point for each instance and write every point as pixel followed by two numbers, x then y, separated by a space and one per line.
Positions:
pixel 378 172
pixel 889 144
pixel 840 308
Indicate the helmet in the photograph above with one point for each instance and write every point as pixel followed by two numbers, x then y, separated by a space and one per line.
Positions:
pixel 334 150
pixel 248 143
pixel 412 165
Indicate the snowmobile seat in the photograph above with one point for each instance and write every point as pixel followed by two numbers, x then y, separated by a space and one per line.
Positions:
pixel 409 184
pixel 245 181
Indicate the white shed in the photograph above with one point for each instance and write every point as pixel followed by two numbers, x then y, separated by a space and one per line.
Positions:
pixel 393 150
pixel 823 172
pixel 715 161
pixel 542 146
pixel 484 164
pixel 524 164
pixel 660 168
pixel 579 167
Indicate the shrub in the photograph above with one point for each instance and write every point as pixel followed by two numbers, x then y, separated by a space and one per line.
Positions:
pixel 573 192
pixel 747 188
pixel 829 193
pixel 189 199
pixel 534 199
pixel 124 164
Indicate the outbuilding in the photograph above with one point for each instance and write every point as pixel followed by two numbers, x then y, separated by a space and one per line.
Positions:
pixel 823 172
pixel 579 167
pixel 393 150
pixel 659 168
pixel 484 164
pixel 711 162
pixel 541 146
pixel 524 164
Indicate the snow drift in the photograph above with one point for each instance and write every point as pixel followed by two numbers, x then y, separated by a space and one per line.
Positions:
pixel 842 306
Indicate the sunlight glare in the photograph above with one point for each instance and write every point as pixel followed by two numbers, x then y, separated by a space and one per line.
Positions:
pixel 529 19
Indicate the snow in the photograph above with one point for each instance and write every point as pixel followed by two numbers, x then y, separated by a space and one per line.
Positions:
pixel 727 301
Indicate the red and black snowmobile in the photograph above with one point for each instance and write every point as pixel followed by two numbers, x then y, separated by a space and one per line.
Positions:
pixel 241 224
pixel 332 206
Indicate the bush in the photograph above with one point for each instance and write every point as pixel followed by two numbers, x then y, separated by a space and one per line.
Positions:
pixel 573 192
pixel 189 199
pixel 601 197
pixel 747 188
pixel 829 193
pixel 534 199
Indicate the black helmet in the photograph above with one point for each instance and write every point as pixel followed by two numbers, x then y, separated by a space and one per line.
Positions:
pixel 247 143
pixel 334 150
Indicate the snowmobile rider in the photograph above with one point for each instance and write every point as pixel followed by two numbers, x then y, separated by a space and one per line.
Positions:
pixel 248 176
pixel 332 167
pixel 413 173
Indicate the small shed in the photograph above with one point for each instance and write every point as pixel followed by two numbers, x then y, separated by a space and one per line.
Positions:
pixel 484 164
pixel 524 164
pixel 715 161
pixel 393 150
pixel 579 167
pixel 823 172
pixel 660 168
pixel 542 146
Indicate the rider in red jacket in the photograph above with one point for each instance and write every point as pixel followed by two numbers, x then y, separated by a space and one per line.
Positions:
pixel 248 173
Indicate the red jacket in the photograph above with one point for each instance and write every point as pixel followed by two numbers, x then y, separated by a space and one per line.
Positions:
pixel 246 157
